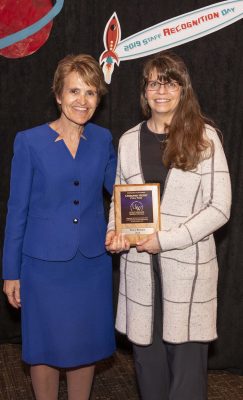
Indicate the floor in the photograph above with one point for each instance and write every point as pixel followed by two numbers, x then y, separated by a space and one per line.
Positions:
pixel 115 379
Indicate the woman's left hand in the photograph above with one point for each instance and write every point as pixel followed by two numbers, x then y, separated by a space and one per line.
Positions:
pixel 12 289
pixel 150 244
pixel 116 243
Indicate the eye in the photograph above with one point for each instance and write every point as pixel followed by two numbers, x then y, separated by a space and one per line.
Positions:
pixel 74 91
pixel 172 85
pixel 91 93
pixel 152 84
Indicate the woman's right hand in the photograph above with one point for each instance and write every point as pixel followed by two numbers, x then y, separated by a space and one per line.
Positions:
pixel 12 289
pixel 116 243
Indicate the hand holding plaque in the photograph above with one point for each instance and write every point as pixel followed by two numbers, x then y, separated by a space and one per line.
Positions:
pixel 137 210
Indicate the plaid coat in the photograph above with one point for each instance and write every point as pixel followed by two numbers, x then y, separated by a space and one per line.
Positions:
pixel 194 205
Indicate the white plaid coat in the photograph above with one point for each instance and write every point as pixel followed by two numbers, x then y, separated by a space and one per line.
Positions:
pixel 194 205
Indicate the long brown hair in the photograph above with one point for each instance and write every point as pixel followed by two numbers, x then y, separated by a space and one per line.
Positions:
pixel 186 144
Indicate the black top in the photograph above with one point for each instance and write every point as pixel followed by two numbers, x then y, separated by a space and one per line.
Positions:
pixel 151 148
pixel 154 171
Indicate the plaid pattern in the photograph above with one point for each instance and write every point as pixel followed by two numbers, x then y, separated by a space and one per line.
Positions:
pixel 194 205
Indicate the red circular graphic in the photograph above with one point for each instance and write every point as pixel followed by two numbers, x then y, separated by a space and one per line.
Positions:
pixel 16 15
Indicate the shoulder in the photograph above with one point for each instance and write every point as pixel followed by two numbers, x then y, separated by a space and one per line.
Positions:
pixel 37 136
pixel 97 131
pixel 212 134
pixel 36 131
pixel 130 135
pixel 215 151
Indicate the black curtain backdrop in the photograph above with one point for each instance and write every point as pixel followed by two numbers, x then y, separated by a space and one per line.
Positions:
pixel 215 63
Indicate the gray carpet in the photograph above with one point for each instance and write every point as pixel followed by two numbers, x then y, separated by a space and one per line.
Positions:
pixel 115 379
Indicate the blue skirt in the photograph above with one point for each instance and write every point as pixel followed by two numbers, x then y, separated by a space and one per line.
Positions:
pixel 67 313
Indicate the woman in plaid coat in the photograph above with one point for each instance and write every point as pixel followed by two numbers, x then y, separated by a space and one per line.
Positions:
pixel 168 283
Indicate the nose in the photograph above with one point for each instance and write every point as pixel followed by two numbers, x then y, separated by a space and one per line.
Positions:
pixel 82 97
pixel 162 88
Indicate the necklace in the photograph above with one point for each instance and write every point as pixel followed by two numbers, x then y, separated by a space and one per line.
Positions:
pixel 161 140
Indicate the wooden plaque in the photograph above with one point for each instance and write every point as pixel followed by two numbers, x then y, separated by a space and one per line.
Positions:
pixel 137 210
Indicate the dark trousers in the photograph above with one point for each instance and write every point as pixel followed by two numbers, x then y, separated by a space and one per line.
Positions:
pixel 170 371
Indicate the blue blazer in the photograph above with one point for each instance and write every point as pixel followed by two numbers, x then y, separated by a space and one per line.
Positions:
pixel 56 202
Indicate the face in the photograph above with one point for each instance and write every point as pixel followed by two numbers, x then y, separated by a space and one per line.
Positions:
pixel 162 101
pixel 78 100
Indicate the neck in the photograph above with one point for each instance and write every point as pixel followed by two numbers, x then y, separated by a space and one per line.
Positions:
pixel 67 129
pixel 158 123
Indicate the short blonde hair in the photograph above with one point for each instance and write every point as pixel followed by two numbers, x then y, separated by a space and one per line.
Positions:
pixel 86 66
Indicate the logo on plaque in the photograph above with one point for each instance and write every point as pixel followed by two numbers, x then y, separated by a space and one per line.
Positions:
pixel 136 206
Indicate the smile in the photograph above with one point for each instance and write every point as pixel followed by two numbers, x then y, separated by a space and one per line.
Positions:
pixel 80 109
pixel 162 100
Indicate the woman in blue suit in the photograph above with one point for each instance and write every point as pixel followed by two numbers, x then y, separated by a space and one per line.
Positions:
pixel 55 265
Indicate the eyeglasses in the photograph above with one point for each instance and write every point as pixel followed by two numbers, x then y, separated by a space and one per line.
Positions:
pixel 155 86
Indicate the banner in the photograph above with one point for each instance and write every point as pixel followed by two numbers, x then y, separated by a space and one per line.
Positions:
pixel 166 34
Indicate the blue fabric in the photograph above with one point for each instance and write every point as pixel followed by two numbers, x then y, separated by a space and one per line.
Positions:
pixel 45 182
pixel 54 242
pixel 67 316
